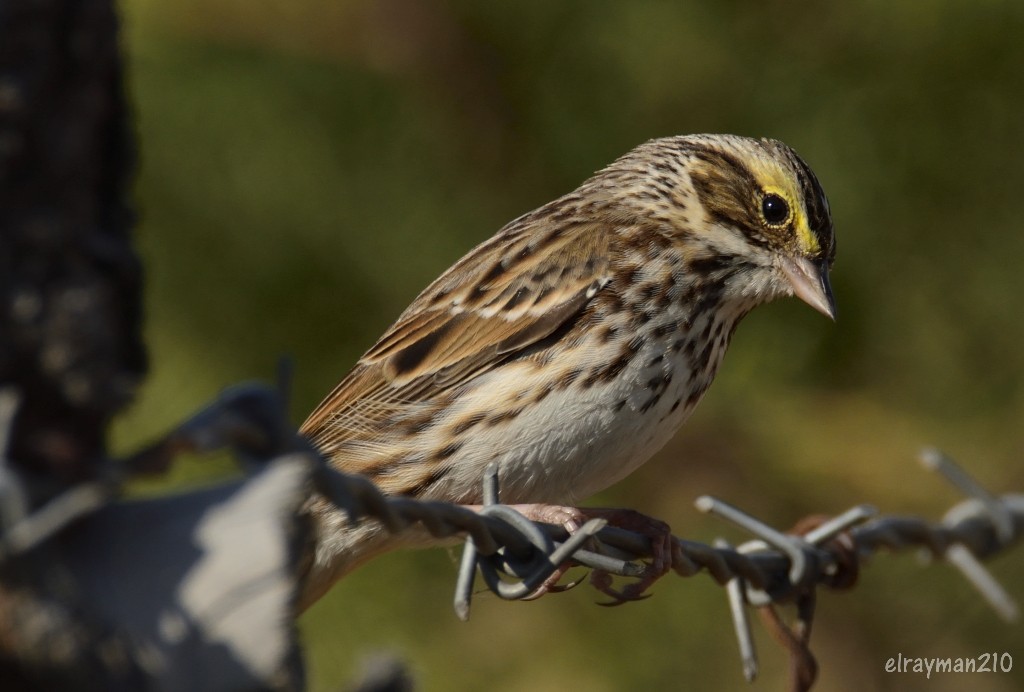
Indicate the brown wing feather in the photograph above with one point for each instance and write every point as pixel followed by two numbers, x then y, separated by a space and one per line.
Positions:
pixel 505 295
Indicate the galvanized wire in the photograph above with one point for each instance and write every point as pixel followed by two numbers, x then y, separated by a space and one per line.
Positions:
pixel 239 419
pixel 774 568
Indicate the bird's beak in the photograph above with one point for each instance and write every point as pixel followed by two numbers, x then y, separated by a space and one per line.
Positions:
pixel 810 284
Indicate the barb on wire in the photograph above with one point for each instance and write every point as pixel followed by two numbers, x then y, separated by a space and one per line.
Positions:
pixel 515 555
pixel 250 419
pixel 539 564
pixel 740 621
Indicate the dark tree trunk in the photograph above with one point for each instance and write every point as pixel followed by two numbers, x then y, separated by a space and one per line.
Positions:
pixel 70 324
pixel 94 593
pixel 70 312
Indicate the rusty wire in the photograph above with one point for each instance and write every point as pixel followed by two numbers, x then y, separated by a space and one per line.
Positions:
pixel 773 568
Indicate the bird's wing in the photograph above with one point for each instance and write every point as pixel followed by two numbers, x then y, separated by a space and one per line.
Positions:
pixel 507 294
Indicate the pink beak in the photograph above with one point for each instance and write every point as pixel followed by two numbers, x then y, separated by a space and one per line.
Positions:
pixel 810 284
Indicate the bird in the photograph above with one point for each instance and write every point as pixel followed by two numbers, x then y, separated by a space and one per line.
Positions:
pixel 570 346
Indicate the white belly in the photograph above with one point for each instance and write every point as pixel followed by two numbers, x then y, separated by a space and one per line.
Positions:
pixel 579 439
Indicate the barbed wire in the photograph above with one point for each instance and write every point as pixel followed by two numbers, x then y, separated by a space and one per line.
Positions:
pixel 515 556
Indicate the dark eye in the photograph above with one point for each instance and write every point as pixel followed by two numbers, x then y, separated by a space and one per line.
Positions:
pixel 774 208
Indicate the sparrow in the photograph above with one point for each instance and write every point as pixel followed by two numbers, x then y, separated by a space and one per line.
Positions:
pixel 570 347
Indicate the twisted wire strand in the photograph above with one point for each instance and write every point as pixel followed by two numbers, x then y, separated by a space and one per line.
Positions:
pixel 515 556
pixel 249 419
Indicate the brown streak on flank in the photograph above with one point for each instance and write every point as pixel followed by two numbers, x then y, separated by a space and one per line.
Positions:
pixel 675 405
pixel 542 359
pixel 499 418
pixel 390 465
pixel 436 476
pixel 568 378
pixel 544 392
pixel 466 423
pixel 380 467
pixel 448 450
pixel 610 371
pixel 420 424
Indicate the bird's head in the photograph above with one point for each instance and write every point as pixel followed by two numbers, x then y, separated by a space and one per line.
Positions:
pixel 750 210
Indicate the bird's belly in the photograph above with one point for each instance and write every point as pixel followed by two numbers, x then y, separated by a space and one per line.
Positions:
pixel 577 440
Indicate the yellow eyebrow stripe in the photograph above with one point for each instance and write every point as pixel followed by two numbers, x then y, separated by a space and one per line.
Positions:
pixel 808 241
pixel 773 179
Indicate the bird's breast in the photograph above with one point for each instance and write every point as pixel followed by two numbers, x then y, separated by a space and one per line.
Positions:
pixel 569 423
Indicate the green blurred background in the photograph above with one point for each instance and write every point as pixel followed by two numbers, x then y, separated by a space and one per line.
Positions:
pixel 309 165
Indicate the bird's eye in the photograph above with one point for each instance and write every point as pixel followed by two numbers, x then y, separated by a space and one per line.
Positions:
pixel 774 209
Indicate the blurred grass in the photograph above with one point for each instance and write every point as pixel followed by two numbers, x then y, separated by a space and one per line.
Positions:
pixel 308 166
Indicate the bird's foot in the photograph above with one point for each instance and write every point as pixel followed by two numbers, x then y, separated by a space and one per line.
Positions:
pixel 660 535
pixel 572 518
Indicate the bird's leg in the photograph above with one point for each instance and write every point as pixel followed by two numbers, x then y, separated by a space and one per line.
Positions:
pixel 660 535
pixel 572 518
